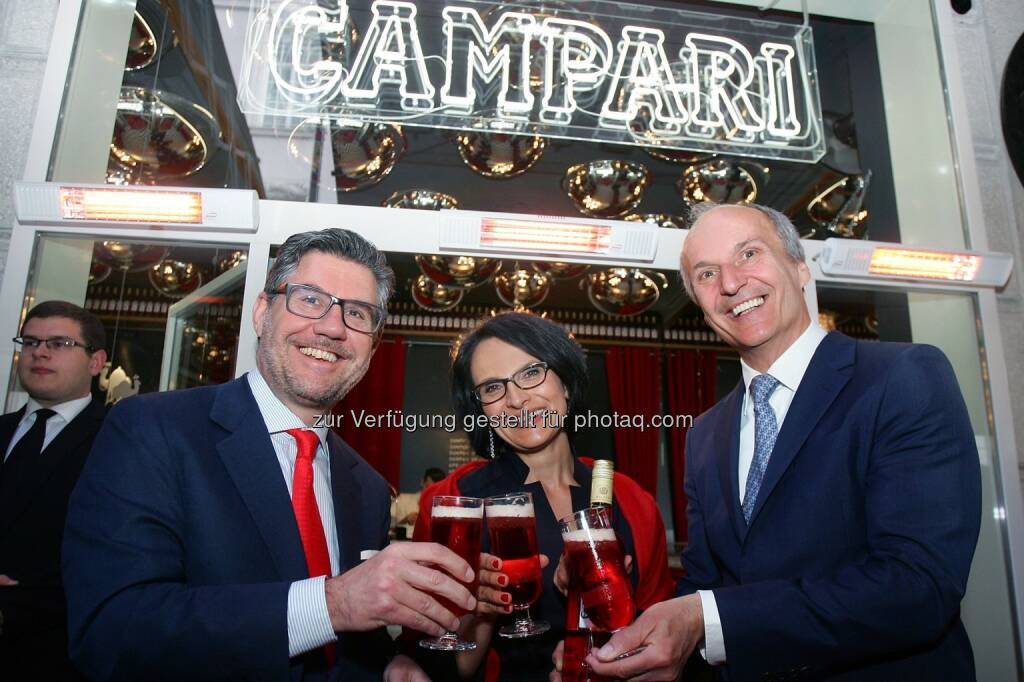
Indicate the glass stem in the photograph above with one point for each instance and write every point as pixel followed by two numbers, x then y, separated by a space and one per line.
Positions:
pixel 522 616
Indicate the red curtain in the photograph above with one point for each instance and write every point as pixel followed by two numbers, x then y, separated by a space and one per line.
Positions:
pixel 691 391
pixel 381 390
pixel 634 390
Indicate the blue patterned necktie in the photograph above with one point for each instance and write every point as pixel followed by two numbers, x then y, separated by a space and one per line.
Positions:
pixel 765 430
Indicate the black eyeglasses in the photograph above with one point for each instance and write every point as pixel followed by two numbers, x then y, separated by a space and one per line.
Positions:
pixel 531 376
pixel 56 343
pixel 309 302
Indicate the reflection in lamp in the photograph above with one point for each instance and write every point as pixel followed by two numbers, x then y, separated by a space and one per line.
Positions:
pixel 659 219
pixel 499 155
pixel 464 272
pixel 721 182
pixel 827 320
pixel 230 260
pixel 605 188
pixel 430 295
pixel 159 135
pixel 423 199
pixel 175 278
pixel 521 288
pixel 559 270
pixel 838 210
pixel 623 291
pixel 128 256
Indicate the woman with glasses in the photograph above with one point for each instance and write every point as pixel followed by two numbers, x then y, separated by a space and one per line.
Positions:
pixel 526 379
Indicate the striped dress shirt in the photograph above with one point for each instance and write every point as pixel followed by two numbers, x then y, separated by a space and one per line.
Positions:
pixel 309 624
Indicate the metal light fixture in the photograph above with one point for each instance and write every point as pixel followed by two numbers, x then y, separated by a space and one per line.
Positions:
pixel 623 292
pixel 606 188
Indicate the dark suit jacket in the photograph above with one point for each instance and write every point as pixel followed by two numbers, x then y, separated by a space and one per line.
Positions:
pixel 181 545
pixel 861 539
pixel 31 530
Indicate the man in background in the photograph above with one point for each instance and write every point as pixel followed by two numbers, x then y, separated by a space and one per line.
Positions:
pixel 834 494
pixel 44 447
pixel 406 506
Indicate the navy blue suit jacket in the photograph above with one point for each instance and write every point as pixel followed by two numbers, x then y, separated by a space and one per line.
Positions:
pixel 181 545
pixel 858 550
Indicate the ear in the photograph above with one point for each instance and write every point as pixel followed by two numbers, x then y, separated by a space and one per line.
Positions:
pixel 804 273
pixel 96 362
pixel 259 310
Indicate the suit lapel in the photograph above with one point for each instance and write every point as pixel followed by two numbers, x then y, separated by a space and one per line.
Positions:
pixel 8 425
pixel 728 456
pixel 249 457
pixel 83 427
pixel 347 498
pixel 828 372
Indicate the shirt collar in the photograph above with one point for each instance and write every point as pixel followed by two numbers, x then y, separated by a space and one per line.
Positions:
pixel 67 410
pixel 790 367
pixel 276 414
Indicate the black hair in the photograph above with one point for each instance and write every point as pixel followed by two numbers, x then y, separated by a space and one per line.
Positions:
pixel 545 340
pixel 434 474
pixel 93 333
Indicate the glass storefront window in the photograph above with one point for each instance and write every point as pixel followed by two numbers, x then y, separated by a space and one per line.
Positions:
pixel 950 322
pixel 154 299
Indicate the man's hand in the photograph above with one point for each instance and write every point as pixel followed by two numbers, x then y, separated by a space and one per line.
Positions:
pixel 400 586
pixel 5 581
pixel 561 578
pixel 556 661
pixel 669 631
pixel 404 669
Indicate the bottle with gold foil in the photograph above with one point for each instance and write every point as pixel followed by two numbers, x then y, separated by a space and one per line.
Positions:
pixel 601 492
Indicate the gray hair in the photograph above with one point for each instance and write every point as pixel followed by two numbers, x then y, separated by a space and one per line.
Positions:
pixel 784 228
pixel 333 241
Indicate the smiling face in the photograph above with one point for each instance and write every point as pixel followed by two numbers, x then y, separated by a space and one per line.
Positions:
pixel 750 289
pixel 52 377
pixel 495 359
pixel 311 364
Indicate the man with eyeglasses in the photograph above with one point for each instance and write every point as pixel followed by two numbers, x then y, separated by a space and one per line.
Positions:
pixel 44 446
pixel 217 534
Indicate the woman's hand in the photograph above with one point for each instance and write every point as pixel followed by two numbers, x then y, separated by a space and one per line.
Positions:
pixel 491 598
pixel 561 578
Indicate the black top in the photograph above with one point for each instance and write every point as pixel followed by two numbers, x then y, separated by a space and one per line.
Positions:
pixel 530 659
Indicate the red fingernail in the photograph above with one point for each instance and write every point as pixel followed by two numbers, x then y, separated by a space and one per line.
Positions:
pixel 508 609
pixel 495 564
pixel 502 580
pixel 506 597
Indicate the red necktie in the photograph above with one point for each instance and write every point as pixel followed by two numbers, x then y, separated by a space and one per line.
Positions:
pixel 307 514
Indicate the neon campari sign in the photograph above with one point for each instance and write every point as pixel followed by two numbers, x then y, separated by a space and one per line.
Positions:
pixel 639 75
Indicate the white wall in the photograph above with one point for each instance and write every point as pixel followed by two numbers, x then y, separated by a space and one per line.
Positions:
pixel 984 38
pixel 25 30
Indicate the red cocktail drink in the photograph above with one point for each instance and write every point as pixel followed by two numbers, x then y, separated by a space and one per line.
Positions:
pixel 457 523
pixel 596 570
pixel 513 533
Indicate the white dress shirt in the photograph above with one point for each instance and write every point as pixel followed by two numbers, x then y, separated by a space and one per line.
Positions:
pixel 309 623
pixel 789 369
pixel 66 412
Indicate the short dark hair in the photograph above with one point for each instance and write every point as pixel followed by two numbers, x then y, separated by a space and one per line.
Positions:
pixel 93 333
pixel 545 340
pixel 333 241
pixel 434 474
